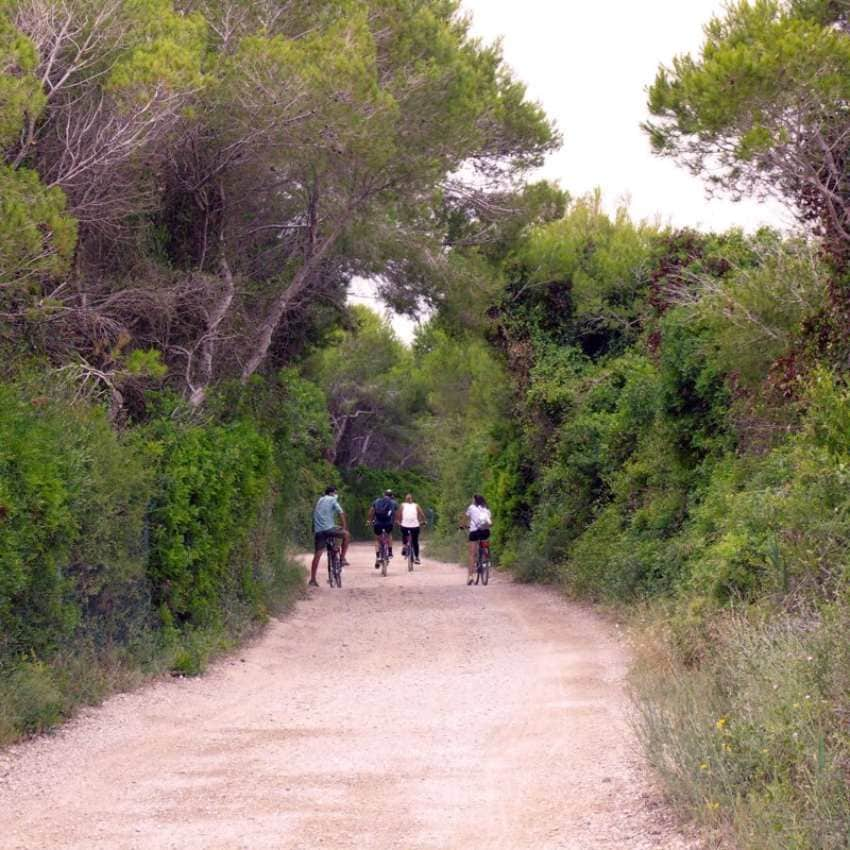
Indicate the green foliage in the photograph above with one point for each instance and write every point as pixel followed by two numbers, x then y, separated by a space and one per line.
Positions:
pixel 125 552
pixel 37 236
pixel 467 397
pixel 212 484
pixel 580 279
pixel 33 699
pixel 365 484
pixel 73 503
pixel 292 411
pixel 764 106
pixel 20 91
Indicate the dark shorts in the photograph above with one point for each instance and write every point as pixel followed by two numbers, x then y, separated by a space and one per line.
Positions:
pixel 321 537
pixel 481 534
pixel 380 529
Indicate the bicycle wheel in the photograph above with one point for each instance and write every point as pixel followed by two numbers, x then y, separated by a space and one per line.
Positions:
pixel 409 554
pixel 334 567
pixel 485 571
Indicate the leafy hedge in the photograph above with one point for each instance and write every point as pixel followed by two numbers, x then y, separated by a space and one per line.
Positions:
pixel 136 550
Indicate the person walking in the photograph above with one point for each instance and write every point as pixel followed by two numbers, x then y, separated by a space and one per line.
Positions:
pixel 411 518
pixel 325 525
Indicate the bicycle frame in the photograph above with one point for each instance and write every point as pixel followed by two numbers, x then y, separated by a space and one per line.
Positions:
pixel 482 562
pixel 385 552
pixel 407 542
pixel 334 551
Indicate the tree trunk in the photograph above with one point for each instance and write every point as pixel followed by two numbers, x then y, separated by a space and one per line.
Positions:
pixel 207 345
pixel 300 284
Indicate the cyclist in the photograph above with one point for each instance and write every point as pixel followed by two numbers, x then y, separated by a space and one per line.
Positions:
pixel 411 518
pixel 325 525
pixel 381 516
pixel 478 521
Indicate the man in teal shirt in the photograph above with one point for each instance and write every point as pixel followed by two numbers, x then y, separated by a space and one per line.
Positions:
pixel 325 525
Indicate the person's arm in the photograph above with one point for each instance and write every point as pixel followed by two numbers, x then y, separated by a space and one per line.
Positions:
pixel 397 515
pixel 371 515
pixel 421 514
pixel 341 514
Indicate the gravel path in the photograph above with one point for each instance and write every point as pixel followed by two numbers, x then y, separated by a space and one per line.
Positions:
pixel 408 712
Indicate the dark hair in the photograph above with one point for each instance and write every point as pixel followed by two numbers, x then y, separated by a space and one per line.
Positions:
pixel 388 492
pixel 480 501
pixel 330 490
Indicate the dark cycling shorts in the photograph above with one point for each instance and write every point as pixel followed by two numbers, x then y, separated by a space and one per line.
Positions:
pixel 380 529
pixel 321 537
pixel 481 534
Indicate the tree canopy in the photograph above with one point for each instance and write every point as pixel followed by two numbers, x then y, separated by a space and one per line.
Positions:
pixel 230 166
pixel 763 108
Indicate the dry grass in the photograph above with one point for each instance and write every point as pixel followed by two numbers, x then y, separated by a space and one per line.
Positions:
pixel 750 732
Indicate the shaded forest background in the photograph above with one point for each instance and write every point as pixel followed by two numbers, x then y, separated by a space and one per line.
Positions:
pixel 659 418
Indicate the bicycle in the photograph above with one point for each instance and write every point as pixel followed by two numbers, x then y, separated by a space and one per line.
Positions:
pixel 482 562
pixel 407 542
pixel 384 552
pixel 334 561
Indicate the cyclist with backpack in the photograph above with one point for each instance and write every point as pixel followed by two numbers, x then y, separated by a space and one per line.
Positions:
pixel 381 517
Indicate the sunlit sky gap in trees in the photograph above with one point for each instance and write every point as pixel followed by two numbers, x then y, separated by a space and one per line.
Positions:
pixel 589 64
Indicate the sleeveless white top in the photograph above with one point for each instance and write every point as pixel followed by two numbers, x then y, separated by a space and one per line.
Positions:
pixel 409 515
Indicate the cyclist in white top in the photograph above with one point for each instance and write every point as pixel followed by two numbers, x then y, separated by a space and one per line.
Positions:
pixel 478 521
pixel 411 518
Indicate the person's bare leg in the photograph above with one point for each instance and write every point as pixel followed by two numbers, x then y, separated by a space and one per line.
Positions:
pixel 472 547
pixel 314 567
pixel 346 539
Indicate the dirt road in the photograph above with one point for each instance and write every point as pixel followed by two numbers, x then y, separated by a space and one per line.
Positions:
pixel 409 712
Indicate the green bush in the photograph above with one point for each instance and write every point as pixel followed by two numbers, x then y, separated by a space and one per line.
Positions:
pixel 34 701
pixel 73 496
pixel 126 552
pixel 212 484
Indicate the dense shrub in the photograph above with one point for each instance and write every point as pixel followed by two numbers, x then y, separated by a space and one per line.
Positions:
pixel 72 500
pixel 212 483
pixel 129 551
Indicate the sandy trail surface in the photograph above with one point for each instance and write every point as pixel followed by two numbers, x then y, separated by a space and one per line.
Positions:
pixel 407 712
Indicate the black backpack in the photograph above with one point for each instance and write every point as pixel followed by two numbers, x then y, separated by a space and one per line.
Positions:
pixel 384 510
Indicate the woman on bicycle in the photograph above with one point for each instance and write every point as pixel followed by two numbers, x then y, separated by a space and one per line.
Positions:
pixel 411 518
pixel 479 519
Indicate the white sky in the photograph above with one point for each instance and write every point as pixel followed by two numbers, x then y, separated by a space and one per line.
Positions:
pixel 589 62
